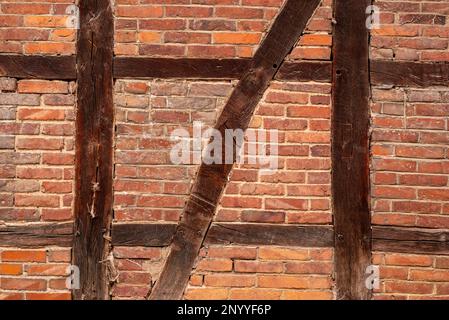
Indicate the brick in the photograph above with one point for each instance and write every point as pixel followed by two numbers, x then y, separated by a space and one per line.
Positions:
pixel 254 294
pixel 8 84
pixel 23 200
pixel 307 295
pixel 408 260
pixel 19 99
pixel 134 278
pixel 232 252
pixel 124 290
pixel 213 25
pixel 23 284
pixel 308 267
pixel 214 265
pixel 293 282
pixel 262 216
pixel 10 269
pixel 229 280
pixel 48 296
pixel 246 266
pixel 141 11
pixel 40 114
pixel 273 253
pixel 42 86
pixel 39 143
pixel 56 214
pixel 137 252
pixel 206 294
pixel 62 255
pixel 429 275
pixel 47 269
pixel 408 287
pixel 236 38
pixel 11 296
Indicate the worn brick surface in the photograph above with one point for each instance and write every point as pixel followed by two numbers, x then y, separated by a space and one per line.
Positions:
pixel 39 27
pixel 413 30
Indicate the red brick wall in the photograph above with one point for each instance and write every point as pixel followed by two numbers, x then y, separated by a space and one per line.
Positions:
pixel 40 27
pixel 36 181
pixel 148 187
pixel 412 30
pixel 238 272
pixel 409 147
pixel 409 153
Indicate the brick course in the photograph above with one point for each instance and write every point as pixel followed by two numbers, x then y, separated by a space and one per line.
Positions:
pixel 409 153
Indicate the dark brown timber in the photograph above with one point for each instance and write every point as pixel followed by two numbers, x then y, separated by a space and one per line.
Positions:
pixel 270 234
pixel 37 235
pixel 94 134
pixel 211 179
pixel 187 68
pixel 350 152
pixel 132 67
pixel 411 240
pixel 414 74
pixel 37 67
pixel 160 234
pixel 305 71
pixel 142 234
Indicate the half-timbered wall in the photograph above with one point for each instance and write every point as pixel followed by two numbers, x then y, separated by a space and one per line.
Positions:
pixel 363 163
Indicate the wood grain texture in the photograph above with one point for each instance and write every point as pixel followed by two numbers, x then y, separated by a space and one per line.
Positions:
pixel 411 240
pixel 350 149
pixel 185 68
pixel 38 67
pixel 142 234
pixel 94 142
pixel 305 71
pixel 270 234
pixel 210 69
pixel 409 74
pixel 237 113
pixel 36 235
pixel 160 234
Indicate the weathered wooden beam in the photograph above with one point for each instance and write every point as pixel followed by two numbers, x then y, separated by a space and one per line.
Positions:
pixel 37 67
pixel 142 234
pixel 237 113
pixel 305 71
pixel 36 235
pixel 160 234
pixel 409 74
pixel 270 234
pixel 185 68
pixel 350 150
pixel 94 141
pixel 210 69
pixel 411 240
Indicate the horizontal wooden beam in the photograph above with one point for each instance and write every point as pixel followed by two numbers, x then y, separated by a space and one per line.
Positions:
pixel 143 234
pixel 410 240
pixel 385 238
pixel 133 67
pixel 38 67
pixel 305 71
pixel 270 234
pixel 414 74
pixel 160 234
pixel 36 235
pixel 394 73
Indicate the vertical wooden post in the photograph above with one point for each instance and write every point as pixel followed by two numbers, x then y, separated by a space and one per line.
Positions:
pixel 350 148
pixel 94 138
